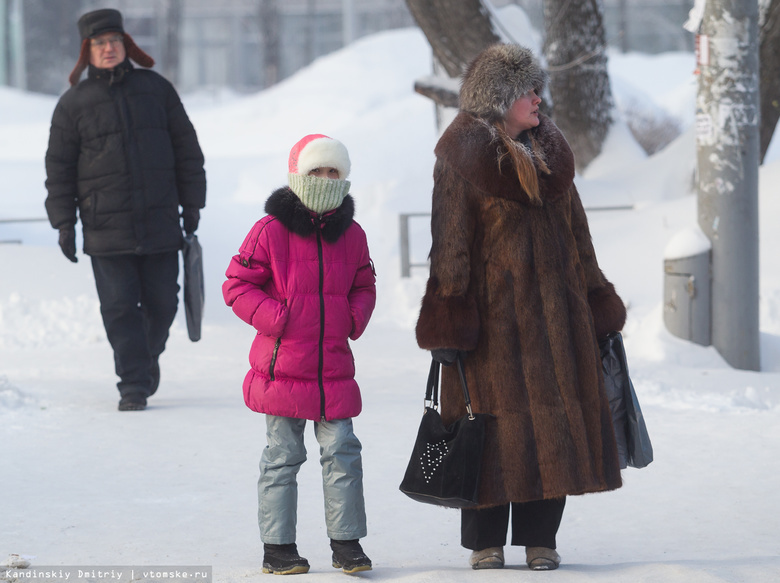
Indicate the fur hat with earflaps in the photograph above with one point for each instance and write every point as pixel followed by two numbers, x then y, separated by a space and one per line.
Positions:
pixel 96 23
pixel 496 78
pixel 319 195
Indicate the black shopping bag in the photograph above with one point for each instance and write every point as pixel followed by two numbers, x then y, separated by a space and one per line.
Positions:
pixel 633 440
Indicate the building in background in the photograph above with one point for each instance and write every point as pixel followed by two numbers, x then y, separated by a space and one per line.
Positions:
pixel 245 45
pixel 248 45
pixel 251 44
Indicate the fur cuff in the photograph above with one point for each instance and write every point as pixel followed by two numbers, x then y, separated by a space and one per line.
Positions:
pixel 609 313
pixel 447 321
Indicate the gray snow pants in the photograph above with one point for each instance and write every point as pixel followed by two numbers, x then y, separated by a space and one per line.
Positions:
pixel 342 479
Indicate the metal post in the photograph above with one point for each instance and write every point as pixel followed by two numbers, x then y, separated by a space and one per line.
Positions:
pixel 623 11
pixel 201 49
pixel 727 124
pixel 405 247
pixel 3 43
pixel 403 228
pixel 16 39
pixel 348 22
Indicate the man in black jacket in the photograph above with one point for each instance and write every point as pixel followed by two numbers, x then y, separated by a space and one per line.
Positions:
pixel 124 157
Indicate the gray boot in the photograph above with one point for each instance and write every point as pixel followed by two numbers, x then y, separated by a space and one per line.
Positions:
pixel 542 558
pixel 489 558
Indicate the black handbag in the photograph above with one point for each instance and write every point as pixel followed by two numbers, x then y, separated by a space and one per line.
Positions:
pixel 633 440
pixel 444 468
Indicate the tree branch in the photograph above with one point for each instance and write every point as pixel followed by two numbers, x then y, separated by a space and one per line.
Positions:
pixel 442 90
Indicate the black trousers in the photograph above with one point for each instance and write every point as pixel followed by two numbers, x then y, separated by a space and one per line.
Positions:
pixel 139 295
pixel 534 524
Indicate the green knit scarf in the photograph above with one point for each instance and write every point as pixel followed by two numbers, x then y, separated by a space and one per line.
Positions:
pixel 319 194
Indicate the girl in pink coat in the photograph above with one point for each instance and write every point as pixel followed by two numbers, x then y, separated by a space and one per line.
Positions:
pixel 304 280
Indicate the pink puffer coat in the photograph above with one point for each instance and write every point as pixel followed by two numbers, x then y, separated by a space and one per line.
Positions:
pixel 307 286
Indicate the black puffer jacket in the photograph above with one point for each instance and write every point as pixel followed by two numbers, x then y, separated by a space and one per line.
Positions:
pixel 123 151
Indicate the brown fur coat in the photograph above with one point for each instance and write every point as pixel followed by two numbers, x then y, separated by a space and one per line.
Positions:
pixel 518 287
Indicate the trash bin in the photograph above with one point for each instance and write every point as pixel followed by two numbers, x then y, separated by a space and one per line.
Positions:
pixel 688 287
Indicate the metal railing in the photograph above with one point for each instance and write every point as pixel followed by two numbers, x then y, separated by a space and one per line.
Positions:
pixel 403 233
pixel 21 220
pixel 403 230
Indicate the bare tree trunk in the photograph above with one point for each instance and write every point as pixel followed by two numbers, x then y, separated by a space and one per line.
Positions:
pixel 457 30
pixel 269 25
pixel 575 46
pixel 769 62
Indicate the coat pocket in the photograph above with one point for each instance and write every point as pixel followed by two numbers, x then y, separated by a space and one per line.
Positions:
pixel 274 355
pixel 87 209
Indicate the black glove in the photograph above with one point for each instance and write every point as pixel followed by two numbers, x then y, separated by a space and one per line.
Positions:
pixel 446 356
pixel 190 217
pixel 68 243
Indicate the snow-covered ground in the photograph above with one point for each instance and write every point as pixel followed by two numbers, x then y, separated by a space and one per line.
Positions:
pixel 175 485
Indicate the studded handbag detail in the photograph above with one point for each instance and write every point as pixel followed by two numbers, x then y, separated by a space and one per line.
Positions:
pixel 444 468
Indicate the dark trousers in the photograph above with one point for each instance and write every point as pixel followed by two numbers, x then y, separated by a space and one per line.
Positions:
pixel 534 524
pixel 138 300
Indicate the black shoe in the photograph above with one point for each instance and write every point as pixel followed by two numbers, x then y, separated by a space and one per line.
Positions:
pixel 283 560
pixel 348 556
pixel 155 371
pixel 132 402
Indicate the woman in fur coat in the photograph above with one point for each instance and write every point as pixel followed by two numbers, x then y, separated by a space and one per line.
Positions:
pixel 516 292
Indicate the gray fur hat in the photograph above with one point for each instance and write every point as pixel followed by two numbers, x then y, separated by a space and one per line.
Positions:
pixel 497 77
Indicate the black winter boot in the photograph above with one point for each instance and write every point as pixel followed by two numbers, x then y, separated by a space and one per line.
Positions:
pixel 132 402
pixel 348 556
pixel 283 560
pixel 155 372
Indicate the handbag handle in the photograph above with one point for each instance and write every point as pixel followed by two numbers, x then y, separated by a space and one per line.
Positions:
pixel 432 387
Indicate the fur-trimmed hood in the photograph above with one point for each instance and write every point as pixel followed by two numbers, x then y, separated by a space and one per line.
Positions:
pixel 470 146
pixel 288 208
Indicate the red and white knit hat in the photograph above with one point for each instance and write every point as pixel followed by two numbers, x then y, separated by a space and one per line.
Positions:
pixel 318 151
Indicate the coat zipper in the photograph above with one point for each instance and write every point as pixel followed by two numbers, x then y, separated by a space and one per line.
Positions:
pixel 322 323
pixel 132 157
pixel 273 357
